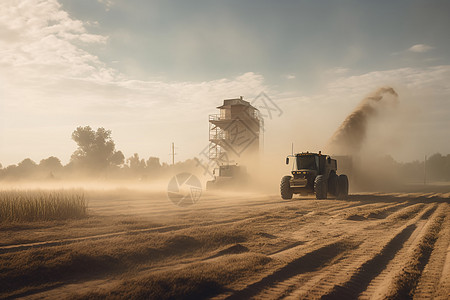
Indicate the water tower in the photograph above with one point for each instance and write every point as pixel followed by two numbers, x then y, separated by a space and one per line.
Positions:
pixel 234 133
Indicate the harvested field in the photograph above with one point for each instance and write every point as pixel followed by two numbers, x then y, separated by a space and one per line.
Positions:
pixel 139 245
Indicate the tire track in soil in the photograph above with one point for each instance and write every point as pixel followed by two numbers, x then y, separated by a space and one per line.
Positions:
pixel 307 263
pixel 356 261
pixel 371 268
pixel 327 279
pixel 443 287
pixel 319 260
pixel 406 280
pixel 350 205
pixel 331 286
pixel 378 213
pixel 58 242
pixel 383 283
pixel 431 255
pixel 314 280
pixel 20 247
pixel 428 213
pixel 162 229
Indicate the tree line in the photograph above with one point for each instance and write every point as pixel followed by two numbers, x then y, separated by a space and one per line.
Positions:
pixel 96 156
pixel 434 169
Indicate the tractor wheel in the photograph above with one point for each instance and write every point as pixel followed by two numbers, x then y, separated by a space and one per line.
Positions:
pixel 333 184
pixel 343 187
pixel 320 187
pixel 285 188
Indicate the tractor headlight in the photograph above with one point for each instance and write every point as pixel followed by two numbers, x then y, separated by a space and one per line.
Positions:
pixel 299 173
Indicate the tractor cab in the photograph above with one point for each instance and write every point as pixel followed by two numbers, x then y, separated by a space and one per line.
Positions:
pixel 312 163
pixel 304 164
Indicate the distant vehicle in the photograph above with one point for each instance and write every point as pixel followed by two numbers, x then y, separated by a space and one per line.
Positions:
pixel 228 176
pixel 314 173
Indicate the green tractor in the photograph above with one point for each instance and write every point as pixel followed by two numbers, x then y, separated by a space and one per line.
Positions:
pixel 314 173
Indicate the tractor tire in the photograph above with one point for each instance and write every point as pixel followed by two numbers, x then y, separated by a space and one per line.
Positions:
pixel 333 184
pixel 320 187
pixel 285 188
pixel 343 187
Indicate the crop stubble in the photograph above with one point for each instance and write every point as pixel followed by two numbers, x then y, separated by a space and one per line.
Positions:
pixel 234 246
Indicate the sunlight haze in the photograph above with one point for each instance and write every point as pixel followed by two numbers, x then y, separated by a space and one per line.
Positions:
pixel 152 71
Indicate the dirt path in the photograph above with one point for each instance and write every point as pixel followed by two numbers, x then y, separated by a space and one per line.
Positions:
pixel 372 246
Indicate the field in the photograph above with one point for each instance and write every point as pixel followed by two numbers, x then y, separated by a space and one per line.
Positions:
pixel 137 244
pixel 41 205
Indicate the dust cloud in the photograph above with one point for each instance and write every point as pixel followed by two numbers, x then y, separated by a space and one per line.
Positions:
pixel 352 145
pixel 357 148
pixel 361 145
pixel 351 135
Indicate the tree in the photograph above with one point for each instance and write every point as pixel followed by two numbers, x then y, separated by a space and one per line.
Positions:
pixel 436 165
pixel 447 167
pixel 50 164
pixel 26 168
pixel 153 163
pixel 117 158
pixel 136 163
pixel 96 149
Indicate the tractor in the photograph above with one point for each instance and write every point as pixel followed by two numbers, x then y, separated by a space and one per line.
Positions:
pixel 314 173
pixel 229 177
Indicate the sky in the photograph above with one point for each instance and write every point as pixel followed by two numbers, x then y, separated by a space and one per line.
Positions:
pixel 152 70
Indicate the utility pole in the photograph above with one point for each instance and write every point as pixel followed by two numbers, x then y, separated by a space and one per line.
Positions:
pixel 173 153
pixel 425 171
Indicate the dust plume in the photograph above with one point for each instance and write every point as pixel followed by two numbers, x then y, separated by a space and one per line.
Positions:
pixel 350 136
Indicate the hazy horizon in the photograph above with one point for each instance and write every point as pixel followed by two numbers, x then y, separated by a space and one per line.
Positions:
pixel 152 71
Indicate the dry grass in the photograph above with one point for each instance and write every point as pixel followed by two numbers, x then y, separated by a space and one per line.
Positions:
pixel 41 205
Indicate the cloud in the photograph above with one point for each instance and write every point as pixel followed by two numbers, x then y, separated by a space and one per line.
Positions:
pixel 46 42
pixel 433 79
pixel 420 48
pixel 43 60
pixel 107 3
pixel 51 84
pixel 337 71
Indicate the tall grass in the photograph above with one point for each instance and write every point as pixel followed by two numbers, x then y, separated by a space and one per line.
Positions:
pixel 41 205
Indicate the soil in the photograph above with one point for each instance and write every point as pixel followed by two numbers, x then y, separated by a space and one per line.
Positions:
pixel 235 246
